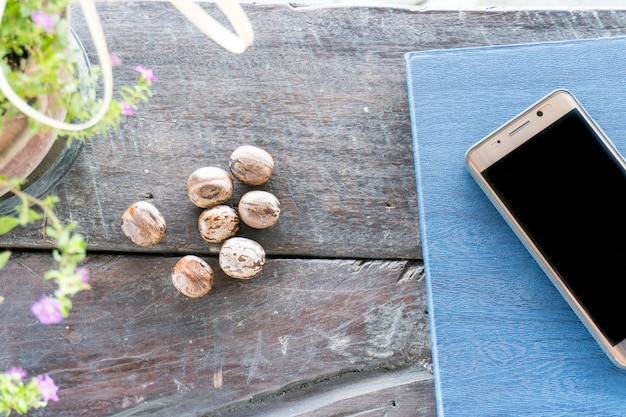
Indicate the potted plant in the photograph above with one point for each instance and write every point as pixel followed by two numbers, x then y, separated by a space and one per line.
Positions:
pixel 47 87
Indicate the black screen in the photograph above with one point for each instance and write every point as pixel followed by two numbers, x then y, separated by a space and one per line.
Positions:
pixel 568 192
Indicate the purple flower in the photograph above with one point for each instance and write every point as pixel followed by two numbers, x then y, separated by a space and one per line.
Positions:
pixel 115 61
pixel 47 310
pixel 146 73
pixel 47 388
pixel 127 109
pixel 83 274
pixel 16 374
pixel 43 20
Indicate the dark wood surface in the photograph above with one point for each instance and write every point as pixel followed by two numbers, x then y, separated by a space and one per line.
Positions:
pixel 336 324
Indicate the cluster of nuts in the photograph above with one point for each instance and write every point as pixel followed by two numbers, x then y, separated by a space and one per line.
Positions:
pixel 210 188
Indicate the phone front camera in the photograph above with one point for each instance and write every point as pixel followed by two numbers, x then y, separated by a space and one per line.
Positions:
pixel 539 113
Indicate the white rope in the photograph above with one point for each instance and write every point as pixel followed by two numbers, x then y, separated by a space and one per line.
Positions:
pixel 95 29
pixel 214 30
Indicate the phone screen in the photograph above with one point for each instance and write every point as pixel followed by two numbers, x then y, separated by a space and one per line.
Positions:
pixel 568 192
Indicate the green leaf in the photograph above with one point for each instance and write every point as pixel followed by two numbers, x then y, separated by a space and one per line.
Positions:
pixel 4 257
pixel 77 243
pixel 50 200
pixel 53 274
pixel 66 306
pixel 7 223
pixel 51 232
pixel 34 215
pixel 23 212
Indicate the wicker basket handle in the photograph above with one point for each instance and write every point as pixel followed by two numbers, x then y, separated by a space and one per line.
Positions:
pixel 234 42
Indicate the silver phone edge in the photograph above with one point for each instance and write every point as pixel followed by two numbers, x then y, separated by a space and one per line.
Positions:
pixel 617 353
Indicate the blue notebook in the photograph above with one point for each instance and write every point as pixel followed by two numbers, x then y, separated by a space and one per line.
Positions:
pixel 504 341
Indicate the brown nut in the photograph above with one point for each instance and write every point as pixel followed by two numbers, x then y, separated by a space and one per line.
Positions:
pixel 241 258
pixel 192 276
pixel 209 186
pixel 143 224
pixel 259 209
pixel 218 224
pixel 251 165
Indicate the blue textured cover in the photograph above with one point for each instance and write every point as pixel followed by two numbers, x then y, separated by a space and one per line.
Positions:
pixel 504 341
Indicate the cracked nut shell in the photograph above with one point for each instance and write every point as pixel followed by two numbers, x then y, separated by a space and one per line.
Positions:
pixel 259 209
pixel 143 224
pixel 192 276
pixel 251 165
pixel 218 223
pixel 209 187
pixel 241 258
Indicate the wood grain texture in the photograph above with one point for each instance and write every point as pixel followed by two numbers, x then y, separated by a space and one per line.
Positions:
pixel 340 140
pixel 135 343
pixel 324 91
pixel 388 392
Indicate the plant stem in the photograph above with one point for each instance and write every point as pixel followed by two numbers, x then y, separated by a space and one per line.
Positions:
pixel 49 212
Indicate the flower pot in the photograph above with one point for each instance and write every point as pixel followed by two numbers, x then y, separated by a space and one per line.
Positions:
pixel 21 151
pixel 39 159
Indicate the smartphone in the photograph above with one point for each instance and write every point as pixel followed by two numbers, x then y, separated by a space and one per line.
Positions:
pixel 561 185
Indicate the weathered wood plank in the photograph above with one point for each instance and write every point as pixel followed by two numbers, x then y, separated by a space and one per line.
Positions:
pixel 135 341
pixel 405 392
pixel 344 166
pixel 322 89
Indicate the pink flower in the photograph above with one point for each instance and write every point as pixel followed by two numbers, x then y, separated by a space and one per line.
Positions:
pixel 115 61
pixel 83 274
pixel 146 73
pixel 47 310
pixel 47 388
pixel 16 374
pixel 43 20
pixel 127 109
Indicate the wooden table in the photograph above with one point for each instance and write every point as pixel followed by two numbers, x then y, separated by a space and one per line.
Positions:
pixel 337 322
